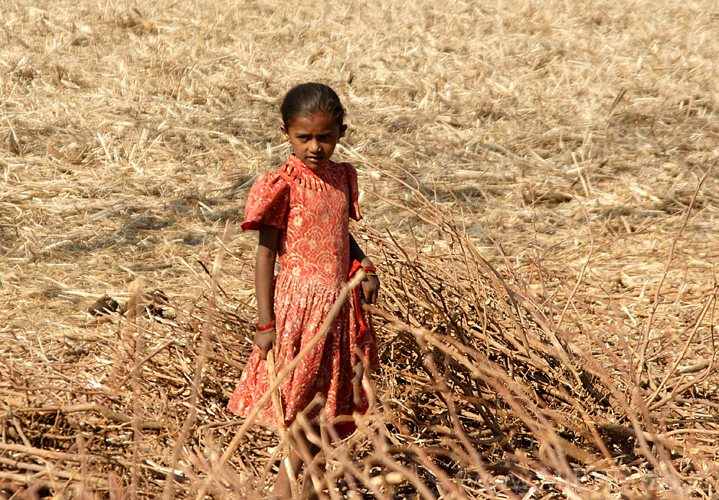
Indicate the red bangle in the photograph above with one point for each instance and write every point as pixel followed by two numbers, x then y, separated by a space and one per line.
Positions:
pixel 269 325
pixel 369 269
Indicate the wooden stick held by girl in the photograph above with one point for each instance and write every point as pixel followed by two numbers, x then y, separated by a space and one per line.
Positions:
pixel 302 212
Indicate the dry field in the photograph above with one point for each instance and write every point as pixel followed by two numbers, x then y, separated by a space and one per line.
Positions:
pixel 539 188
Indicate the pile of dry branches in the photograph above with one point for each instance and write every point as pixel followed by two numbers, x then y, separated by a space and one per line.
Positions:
pixel 486 389
pixel 501 379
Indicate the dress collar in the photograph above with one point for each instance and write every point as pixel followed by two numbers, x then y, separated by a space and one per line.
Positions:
pixel 303 175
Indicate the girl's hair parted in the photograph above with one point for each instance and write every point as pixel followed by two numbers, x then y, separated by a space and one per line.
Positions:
pixel 308 98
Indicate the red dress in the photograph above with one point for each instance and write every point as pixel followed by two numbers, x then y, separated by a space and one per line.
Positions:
pixel 312 209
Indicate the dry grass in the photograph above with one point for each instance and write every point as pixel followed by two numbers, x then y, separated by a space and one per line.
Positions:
pixel 568 145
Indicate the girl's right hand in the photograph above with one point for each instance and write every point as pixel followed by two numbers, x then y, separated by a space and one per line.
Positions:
pixel 264 340
pixel 370 288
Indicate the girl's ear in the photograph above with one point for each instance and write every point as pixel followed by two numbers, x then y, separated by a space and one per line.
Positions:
pixel 343 129
pixel 284 133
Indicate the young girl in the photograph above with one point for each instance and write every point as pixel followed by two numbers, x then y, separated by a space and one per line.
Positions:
pixel 302 212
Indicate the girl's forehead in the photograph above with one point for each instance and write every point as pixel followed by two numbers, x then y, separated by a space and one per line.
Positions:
pixel 314 120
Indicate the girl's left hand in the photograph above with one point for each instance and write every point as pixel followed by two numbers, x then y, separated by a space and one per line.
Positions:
pixel 370 289
pixel 357 384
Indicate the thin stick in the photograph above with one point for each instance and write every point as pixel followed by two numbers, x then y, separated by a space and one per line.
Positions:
pixel 86 407
pixel 655 305
pixel 687 344
pixel 280 417
pixel 168 491
pixel 45 469
pixel 145 360
pixel 49 454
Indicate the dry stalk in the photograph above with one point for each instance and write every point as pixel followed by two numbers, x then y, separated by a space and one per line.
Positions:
pixel 280 414
pixel 673 370
pixel 670 258
pixel 88 407
pixel 133 309
pixel 190 419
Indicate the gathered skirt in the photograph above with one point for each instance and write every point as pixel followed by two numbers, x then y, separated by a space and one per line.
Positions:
pixel 301 307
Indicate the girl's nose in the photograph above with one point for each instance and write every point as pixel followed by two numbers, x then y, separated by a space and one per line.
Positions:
pixel 315 146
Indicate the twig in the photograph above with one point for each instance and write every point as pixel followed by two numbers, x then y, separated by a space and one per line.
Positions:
pixel 147 358
pixel 670 258
pixel 101 409
pixel 280 417
pixel 49 454
pixel 50 471
pixel 679 358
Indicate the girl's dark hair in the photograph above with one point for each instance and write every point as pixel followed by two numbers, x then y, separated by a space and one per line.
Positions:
pixel 308 98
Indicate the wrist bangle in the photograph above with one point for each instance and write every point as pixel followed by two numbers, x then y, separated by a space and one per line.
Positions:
pixel 369 269
pixel 371 273
pixel 269 325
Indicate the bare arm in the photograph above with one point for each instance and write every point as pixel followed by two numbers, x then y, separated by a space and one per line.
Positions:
pixel 265 286
pixel 370 286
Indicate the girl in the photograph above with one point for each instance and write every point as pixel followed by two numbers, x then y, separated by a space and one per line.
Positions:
pixel 302 212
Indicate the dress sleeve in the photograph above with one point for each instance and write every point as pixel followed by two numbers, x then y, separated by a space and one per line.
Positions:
pixel 268 202
pixel 354 192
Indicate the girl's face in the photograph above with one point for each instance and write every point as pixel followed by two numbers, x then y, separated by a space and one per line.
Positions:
pixel 313 138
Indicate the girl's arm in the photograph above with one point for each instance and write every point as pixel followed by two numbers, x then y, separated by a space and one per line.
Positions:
pixel 265 287
pixel 370 286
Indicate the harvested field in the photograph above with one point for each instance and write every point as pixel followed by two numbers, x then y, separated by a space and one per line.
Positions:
pixel 540 192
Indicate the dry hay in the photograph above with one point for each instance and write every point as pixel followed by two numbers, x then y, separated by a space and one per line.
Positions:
pixel 538 190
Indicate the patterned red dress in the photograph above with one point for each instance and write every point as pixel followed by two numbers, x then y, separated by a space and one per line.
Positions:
pixel 312 209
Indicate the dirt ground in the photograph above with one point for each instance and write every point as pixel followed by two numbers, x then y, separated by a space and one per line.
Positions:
pixel 574 144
